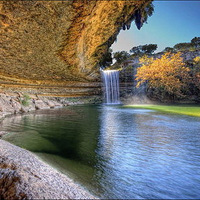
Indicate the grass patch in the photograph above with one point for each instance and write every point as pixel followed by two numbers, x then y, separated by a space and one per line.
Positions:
pixel 25 101
pixel 180 109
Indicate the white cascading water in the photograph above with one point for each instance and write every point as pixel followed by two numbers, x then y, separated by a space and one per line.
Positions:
pixel 111 86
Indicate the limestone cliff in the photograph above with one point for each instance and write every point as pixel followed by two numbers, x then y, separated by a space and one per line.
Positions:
pixel 58 41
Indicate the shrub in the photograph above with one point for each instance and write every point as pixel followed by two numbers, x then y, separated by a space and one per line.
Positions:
pixel 25 100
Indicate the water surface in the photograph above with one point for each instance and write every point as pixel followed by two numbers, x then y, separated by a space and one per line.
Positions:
pixel 115 152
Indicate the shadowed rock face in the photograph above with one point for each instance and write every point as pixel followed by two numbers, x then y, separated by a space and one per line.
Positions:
pixel 58 40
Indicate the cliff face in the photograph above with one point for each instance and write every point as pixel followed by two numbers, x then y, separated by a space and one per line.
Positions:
pixel 58 41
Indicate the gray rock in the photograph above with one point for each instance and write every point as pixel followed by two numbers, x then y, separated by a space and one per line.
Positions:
pixel 24 176
pixel 5 105
pixel 16 105
pixel 39 104
pixel 3 133
pixel 51 104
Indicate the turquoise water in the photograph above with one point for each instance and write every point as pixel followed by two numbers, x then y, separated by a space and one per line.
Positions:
pixel 115 152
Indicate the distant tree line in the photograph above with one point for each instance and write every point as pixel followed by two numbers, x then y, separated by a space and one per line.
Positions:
pixel 194 44
pixel 141 50
pixel 147 49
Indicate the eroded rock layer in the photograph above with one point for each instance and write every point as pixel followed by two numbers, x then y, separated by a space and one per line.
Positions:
pixel 58 40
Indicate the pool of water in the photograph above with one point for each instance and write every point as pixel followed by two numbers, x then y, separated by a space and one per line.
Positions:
pixel 115 152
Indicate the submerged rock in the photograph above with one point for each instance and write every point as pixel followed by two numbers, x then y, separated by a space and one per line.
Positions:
pixel 31 140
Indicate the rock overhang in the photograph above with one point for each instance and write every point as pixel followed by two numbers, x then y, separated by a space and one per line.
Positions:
pixel 58 41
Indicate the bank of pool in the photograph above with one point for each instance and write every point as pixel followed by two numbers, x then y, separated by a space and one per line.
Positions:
pixel 178 109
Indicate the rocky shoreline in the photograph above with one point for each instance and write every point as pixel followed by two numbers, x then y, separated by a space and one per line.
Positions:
pixel 16 102
pixel 25 176
pixel 22 174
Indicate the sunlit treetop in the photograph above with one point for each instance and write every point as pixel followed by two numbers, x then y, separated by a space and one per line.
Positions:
pixel 168 73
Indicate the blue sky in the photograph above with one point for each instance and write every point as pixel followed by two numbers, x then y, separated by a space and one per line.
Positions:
pixel 172 22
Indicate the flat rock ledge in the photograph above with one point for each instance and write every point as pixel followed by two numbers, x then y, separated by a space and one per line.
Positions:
pixel 24 176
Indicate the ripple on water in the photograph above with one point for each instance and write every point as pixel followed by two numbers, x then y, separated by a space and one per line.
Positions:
pixel 116 153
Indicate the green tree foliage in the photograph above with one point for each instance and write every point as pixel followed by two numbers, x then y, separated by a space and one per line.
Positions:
pixel 121 56
pixel 195 73
pixel 25 100
pixel 168 49
pixel 193 86
pixel 149 48
pixel 196 41
pixel 136 51
pixel 182 46
pixel 143 49
pixel 193 45
pixel 106 59
pixel 187 46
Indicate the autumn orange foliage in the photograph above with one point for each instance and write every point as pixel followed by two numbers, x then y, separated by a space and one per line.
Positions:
pixel 167 73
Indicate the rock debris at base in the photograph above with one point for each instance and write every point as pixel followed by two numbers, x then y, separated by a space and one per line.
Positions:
pixel 24 176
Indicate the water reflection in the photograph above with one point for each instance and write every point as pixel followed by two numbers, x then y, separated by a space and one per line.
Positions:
pixel 148 155
pixel 116 153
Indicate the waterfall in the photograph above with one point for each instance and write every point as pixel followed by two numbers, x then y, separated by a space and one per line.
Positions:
pixel 111 86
